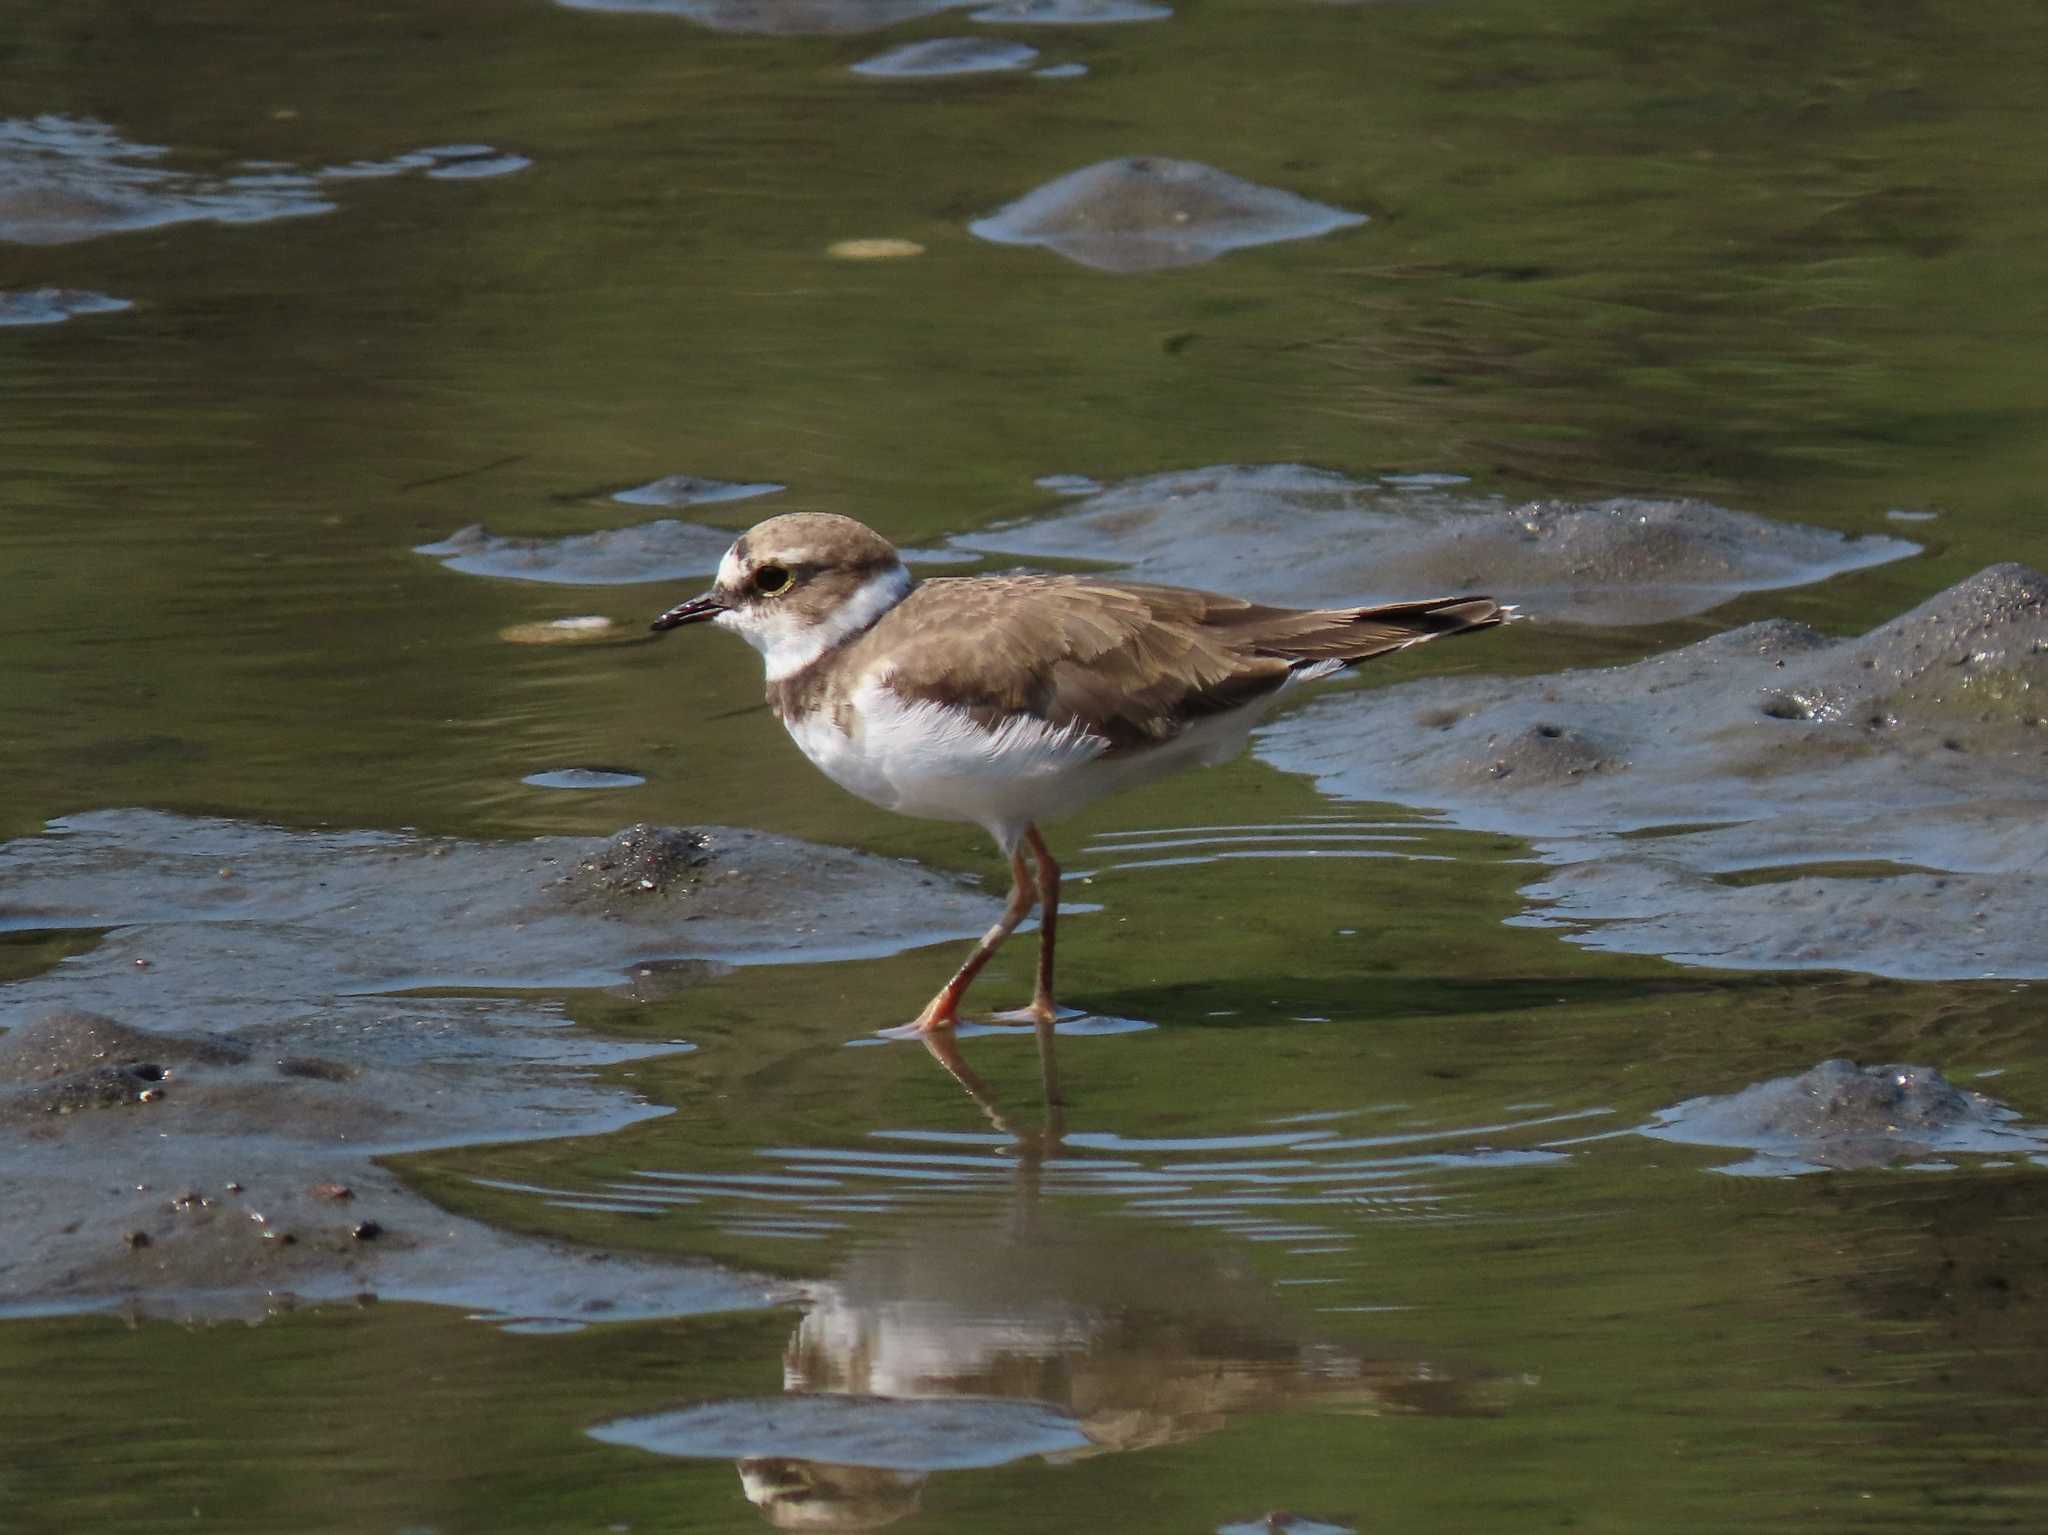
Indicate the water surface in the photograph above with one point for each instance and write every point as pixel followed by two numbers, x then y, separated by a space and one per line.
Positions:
pixel 1362 1229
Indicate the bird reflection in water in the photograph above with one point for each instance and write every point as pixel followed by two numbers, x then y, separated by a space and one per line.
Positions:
pixel 961 1345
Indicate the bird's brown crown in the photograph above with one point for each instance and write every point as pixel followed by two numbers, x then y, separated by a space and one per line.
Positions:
pixel 804 544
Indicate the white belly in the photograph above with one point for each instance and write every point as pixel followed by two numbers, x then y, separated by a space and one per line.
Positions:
pixel 938 763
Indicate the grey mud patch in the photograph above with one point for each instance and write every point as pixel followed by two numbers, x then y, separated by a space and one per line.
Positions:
pixel 1283 1523
pixel 694 490
pixel 788 18
pixel 66 179
pixel 1144 212
pixel 1843 1116
pixel 1768 798
pixel 53 306
pixel 584 778
pixel 885 1433
pixel 662 550
pixel 1070 13
pixel 937 57
pixel 196 1101
pixel 1288 534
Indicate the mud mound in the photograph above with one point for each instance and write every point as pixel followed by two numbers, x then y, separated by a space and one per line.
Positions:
pixel 1302 537
pixel 1765 798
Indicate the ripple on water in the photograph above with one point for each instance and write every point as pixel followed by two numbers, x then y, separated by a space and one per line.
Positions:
pixel 1318 837
pixel 1308 1189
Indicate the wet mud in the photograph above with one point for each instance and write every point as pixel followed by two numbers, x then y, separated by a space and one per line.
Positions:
pixel 942 56
pixel 662 550
pixel 1767 798
pixel 53 306
pixel 1288 534
pixel 1843 1116
pixel 1143 213
pixel 1070 13
pixel 694 490
pixel 780 17
pixel 268 1010
pixel 66 179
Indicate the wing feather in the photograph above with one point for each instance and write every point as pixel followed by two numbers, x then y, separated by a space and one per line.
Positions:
pixel 1133 664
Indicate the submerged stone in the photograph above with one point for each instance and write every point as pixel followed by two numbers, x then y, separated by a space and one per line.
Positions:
pixel 939 56
pixel 663 550
pixel 53 306
pixel 1288 534
pixel 1144 212
pixel 1841 1115
pixel 873 248
pixel 584 629
pixel 781 17
pixel 1767 798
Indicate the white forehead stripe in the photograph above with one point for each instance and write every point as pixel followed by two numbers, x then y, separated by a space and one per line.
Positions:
pixel 729 571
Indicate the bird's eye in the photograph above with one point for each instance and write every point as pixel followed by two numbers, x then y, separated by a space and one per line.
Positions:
pixel 771 579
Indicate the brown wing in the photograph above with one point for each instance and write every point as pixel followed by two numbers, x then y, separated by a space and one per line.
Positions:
pixel 1132 663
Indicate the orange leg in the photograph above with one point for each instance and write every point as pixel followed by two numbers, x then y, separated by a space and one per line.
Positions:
pixel 943 1011
pixel 1048 923
pixel 1044 1014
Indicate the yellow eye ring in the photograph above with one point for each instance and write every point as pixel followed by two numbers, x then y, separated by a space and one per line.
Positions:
pixel 770 579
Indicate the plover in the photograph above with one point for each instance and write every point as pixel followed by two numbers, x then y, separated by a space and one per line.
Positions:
pixel 1010 700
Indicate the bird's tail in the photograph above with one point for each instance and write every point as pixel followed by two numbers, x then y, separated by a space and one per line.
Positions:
pixel 1339 637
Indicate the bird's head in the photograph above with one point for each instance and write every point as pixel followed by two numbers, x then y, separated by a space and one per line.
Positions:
pixel 797 586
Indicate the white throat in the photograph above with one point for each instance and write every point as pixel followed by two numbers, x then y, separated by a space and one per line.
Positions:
pixel 788 642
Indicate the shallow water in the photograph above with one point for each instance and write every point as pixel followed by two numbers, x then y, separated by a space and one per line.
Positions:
pixel 1372 1224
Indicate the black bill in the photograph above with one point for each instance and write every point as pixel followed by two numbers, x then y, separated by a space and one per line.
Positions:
pixel 695 611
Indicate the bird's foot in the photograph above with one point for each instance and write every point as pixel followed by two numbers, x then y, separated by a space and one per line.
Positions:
pixel 940 1016
pixel 1041 1012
